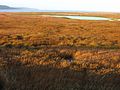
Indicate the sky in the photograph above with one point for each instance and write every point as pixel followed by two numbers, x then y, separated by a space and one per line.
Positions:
pixel 81 5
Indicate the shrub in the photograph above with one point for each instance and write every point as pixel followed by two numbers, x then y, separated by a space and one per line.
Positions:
pixel 66 54
pixel 8 45
pixel 19 37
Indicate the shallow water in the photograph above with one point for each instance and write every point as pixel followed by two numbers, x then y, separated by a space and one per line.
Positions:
pixel 60 16
pixel 81 17
pixel 19 10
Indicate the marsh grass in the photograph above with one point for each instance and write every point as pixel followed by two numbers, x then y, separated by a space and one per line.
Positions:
pixel 49 68
pixel 41 53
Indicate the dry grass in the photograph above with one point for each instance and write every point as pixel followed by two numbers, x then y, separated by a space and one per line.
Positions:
pixel 45 53
pixel 35 30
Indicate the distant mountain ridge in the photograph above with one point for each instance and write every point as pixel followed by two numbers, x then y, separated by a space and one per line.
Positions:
pixel 7 7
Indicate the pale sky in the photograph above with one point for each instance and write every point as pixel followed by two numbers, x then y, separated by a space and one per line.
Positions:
pixel 88 5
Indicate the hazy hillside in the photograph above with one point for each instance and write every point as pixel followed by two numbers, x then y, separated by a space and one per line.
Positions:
pixel 6 7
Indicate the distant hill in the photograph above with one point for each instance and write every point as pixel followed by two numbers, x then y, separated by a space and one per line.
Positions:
pixel 7 7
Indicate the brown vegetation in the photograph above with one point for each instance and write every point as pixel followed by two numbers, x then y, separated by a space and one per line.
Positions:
pixel 46 53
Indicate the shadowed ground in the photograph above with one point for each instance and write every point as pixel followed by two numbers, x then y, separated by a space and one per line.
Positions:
pixel 48 69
